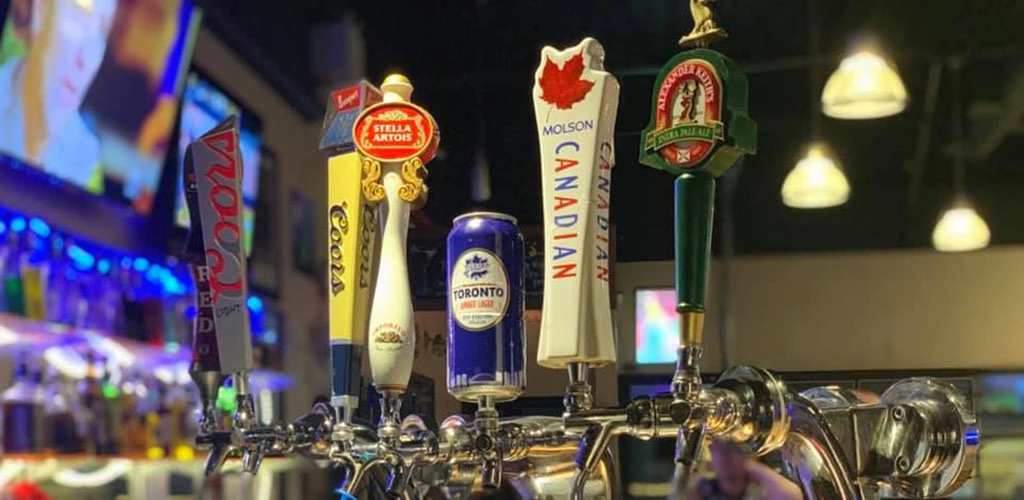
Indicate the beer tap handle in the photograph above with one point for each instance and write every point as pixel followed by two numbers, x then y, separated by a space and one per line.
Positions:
pixel 576 133
pixel 351 245
pixel 222 345
pixel 396 139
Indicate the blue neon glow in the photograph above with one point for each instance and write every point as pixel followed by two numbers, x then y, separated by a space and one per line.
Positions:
pixel 270 337
pixel 104 266
pixel 126 262
pixel 39 227
pixel 344 496
pixel 153 274
pixel 141 264
pixel 18 224
pixel 191 312
pixel 255 304
pixel 971 437
pixel 3 227
pixel 82 259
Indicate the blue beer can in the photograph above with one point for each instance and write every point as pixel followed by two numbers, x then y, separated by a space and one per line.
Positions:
pixel 486 337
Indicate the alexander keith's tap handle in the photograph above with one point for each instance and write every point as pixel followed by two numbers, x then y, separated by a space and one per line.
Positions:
pixel 213 189
pixel 699 128
pixel 694 217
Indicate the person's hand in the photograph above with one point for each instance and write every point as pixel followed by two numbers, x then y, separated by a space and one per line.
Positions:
pixel 775 485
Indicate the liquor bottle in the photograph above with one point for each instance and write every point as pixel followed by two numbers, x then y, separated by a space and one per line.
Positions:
pixel 90 390
pixel 61 432
pixel 10 272
pixel 57 279
pixel 20 405
pixel 32 264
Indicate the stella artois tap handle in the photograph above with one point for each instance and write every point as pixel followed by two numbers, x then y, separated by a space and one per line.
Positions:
pixel 395 139
pixel 575 102
pixel 352 232
pixel 222 343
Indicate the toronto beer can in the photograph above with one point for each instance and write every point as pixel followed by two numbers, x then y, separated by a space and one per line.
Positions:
pixel 486 340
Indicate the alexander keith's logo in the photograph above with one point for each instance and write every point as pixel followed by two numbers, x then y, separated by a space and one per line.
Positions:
pixel 688 114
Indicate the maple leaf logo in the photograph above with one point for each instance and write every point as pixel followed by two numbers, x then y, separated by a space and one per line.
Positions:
pixel 563 87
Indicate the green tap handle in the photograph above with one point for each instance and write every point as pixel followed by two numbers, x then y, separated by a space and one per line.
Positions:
pixel 695 208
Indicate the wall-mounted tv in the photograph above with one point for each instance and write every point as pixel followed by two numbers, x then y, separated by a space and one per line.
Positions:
pixel 89 90
pixel 203 106
pixel 657 329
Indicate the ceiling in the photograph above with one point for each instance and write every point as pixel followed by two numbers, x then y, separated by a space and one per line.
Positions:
pixel 894 202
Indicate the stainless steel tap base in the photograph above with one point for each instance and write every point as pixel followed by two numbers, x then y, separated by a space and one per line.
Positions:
pixel 761 423
pixel 938 438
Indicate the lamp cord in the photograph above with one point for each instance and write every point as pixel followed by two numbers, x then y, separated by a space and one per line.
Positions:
pixel 814 37
pixel 960 153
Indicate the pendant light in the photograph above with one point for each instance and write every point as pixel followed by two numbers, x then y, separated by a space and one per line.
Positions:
pixel 817 181
pixel 960 228
pixel 864 86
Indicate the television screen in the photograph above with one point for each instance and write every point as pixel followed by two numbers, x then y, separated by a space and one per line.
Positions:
pixel 203 106
pixel 657 329
pixel 89 90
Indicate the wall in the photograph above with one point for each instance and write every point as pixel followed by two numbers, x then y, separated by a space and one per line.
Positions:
pixel 864 311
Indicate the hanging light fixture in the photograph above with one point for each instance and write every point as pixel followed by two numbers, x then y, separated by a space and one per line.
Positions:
pixel 960 229
pixel 816 181
pixel 865 85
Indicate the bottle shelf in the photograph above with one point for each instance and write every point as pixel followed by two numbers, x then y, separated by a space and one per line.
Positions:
pixel 67 348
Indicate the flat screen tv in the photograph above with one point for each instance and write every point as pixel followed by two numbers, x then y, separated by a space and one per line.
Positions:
pixel 203 106
pixel 89 91
pixel 657 329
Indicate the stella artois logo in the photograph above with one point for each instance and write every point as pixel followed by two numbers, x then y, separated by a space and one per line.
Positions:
pixel 699 118
pixel 395 132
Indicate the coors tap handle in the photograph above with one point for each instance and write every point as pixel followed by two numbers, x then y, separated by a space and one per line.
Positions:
pixel 396 139
pixel 222 344
pixel 575 101
pixel 351 247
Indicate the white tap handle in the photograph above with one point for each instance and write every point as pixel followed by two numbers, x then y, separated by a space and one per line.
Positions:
pixel 392 339
pixel 396 139
pixel 575 102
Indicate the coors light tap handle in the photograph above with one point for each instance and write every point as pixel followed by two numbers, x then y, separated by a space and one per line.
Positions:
pixel 575 102
pixel 351 243
pixel 222 344
pixel 396 139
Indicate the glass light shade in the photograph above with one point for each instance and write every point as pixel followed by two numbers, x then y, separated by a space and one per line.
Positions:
pixel 815 182
pixel 864 86
pixel 960 229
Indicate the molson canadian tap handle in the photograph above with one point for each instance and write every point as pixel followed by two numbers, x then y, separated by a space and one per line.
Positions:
pixel 396 139
pixel 575 102
pixel 213 191
pixel 351 242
